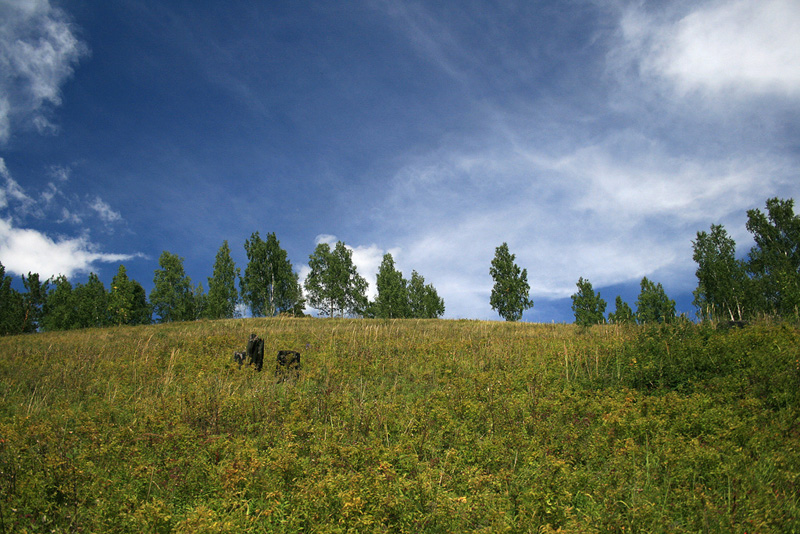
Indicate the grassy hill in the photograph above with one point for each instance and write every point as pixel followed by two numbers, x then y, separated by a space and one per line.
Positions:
pixel 401 426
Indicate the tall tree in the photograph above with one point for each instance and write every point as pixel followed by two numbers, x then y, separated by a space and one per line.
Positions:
pixel 11 306
pixel 60 311
pixel 222 294
pixel 319 283
pixel 653 305
pixel 199 302
pixel 392 300
pixel 127 300
pixel 623 314
pixel 334 285
pixel 722 281
pixel 91 304
pixel 33 301
pixel 270 286
pixel 510 292
pixel 774 261
pixel 354 286
pixel 589 308
pixel 171 296
pixel 424 301
pixel 142 312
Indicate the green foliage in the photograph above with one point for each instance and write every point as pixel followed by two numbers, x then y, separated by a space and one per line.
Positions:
pixel 623 314
pixel 172 294
pixel 402 426
pixel 767 283
pixel 199 302
pixel 33 301
pixel 223 296
pixel 401 298
pixel 653 305
pixel 589 308
pixel 334 285
pixel 424 301
pixel 269 286
pixel 12 308
pixel 81 306
pixel 59 308
pixel 510 291
pixel 91 304
pixel 759 361
pixel 774 261
pixel 392 300
pixel 127 301
pixel 722 281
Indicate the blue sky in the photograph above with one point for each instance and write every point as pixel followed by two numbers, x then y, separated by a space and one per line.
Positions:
pixel 595 137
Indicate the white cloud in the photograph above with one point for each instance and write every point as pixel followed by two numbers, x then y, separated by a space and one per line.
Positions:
pixel 38 51
pixel 742 46
pixel 107 215
pixel 26 250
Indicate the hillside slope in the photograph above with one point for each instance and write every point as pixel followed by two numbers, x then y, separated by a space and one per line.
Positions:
pixel 401 426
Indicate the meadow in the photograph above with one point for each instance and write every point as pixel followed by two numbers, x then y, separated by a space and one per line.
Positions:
pixel 402 426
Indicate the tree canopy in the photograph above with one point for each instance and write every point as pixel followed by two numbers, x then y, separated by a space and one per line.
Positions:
pixel 172 297
pixel 721 279
pixel 270 286
pixel 424 301
pixel 127 300
pixel 392 300
pixel 774 261
pixel 333 285
pixel 510 292
pixel 589 308
pixel 622 314
pixel 223 297
pixel 11 306
pixel 401 298
pixel 653 305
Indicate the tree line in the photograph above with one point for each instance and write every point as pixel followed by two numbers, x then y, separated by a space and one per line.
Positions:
pixel 269 286
pixel 765 283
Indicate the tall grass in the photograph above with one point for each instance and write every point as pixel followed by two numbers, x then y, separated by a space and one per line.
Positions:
pixel 401 426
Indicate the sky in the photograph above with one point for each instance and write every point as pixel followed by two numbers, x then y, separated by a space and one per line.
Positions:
pixel 596 138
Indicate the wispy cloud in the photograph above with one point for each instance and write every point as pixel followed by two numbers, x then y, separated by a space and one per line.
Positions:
pixel 38 51
pixel 10 191
pixel 104 211
pixel 612 193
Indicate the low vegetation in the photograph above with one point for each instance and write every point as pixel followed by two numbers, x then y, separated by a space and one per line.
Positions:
pixel 402 426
